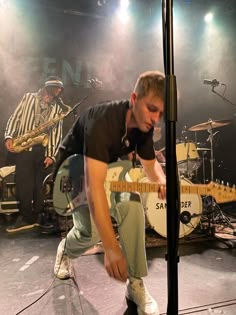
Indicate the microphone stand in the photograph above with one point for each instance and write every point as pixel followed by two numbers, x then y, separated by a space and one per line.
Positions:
pixel 222 96
pixel 173 197
pixel 75 106
pixel 94 83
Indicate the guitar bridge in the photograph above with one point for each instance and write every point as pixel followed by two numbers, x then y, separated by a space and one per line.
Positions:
pixel 66 184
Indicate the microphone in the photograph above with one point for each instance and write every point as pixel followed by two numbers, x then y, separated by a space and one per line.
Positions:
pixel 213 82
pixel 94 81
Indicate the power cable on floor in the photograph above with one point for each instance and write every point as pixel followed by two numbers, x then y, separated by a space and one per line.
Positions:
pixel 55 277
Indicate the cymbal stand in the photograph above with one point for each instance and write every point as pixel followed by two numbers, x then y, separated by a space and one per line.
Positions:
pixel 204 167
pixel 195 141
pixel 210 139
pixel 188 158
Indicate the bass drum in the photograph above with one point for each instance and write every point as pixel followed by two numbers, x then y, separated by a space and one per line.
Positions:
pixel 190 212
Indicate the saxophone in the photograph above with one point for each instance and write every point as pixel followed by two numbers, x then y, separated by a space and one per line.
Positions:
pixel 38 135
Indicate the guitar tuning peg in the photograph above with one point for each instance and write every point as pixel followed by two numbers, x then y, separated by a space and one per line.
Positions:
pixel 227 184
pixel 222 182
pixel 217 181
pixel 233 186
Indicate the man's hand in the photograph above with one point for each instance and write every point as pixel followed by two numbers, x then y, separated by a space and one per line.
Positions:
pixel 48 161
pixel 115 264
pixel 162 191
pixel 8 145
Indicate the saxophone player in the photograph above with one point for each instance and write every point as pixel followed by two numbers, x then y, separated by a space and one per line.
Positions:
pixel 34 110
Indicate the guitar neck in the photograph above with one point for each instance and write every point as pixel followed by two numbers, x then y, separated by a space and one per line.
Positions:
pixel 122 186
pixel 221 193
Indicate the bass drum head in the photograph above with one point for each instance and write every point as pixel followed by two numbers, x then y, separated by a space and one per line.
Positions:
pixel 190 212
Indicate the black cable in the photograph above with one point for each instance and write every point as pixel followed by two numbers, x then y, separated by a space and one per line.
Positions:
pixel 55 276
pixel 205 307
pixel 47 290
pixel 68 197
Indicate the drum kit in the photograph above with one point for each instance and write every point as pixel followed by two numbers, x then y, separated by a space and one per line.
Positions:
pixel 187 152
pixel 188 163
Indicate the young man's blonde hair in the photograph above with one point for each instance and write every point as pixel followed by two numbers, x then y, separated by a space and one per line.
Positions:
pixel 153 81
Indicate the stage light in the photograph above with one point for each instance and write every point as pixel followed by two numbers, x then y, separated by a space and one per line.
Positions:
pixel 122 12
pixel 208 17
pixel 124 4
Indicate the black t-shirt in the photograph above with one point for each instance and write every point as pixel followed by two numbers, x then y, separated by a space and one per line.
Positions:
pixel 100 133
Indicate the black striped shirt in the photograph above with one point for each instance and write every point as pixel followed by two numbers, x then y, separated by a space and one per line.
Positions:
pixel 23 121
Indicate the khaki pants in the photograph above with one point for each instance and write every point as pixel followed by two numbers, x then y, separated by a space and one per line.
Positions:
pixel 130 218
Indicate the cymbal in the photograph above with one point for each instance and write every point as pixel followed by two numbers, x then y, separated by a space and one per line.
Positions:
pixel 210 124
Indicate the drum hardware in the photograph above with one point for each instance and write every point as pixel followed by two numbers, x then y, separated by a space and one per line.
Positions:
pixel 184 137
pixel 188 159
pixel 212 211
pixel 8 202
pixel 209 126
pixel 186 216
pixel 47 191
pixel 210 139
pixel 215 218
pixel 203 149
pixel 203 166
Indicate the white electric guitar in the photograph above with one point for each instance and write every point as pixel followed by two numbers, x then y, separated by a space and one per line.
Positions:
pixel 69 188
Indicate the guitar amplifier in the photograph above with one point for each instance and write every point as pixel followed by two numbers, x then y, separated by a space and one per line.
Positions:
pixel 8 202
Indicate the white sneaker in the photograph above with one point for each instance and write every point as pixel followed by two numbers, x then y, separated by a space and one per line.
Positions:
pixel 62 267
pixel 138 293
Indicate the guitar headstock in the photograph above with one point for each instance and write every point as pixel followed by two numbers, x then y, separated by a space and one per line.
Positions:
pixel 221 193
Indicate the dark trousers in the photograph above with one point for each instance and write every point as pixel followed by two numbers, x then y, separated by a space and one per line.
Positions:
pixel 29 182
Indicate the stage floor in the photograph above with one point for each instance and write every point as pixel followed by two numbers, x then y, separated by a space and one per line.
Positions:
pixel 206 277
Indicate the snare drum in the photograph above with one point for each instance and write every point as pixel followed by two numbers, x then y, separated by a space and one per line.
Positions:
pixel 190 213
pixel 187 157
